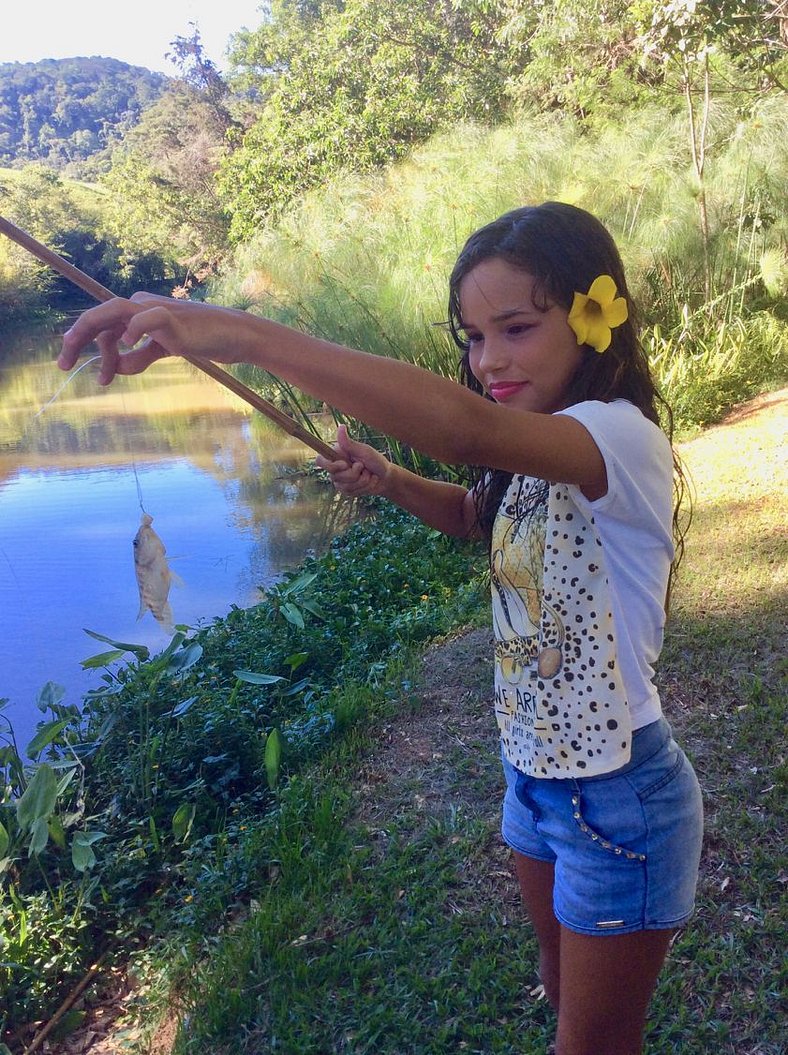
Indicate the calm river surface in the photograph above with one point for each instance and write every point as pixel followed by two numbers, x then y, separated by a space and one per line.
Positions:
pixel 220 481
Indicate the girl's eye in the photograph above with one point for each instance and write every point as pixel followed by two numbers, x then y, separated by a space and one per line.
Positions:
pixel 519 329
pixel 473 338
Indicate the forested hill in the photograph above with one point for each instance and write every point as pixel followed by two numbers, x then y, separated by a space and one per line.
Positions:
pixel 65 111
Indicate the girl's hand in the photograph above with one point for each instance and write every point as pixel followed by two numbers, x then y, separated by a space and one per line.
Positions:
pixel 359 469
pixel 151 327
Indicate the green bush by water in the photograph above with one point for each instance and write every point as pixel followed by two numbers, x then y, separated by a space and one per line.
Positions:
pixel 126 823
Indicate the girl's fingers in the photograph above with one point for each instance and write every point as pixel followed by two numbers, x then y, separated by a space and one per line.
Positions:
pixel 108 346
pixel 127 322
pixel 110 318
pixel 331 466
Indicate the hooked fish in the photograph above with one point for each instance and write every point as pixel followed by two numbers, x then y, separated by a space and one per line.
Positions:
pixel 154 576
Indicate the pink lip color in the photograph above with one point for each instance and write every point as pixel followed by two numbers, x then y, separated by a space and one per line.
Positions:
pixel 506 389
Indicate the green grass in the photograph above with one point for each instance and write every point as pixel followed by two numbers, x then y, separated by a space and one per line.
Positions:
pixel 369 938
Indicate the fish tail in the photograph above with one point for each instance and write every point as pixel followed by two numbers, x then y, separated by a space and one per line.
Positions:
pixel 164 616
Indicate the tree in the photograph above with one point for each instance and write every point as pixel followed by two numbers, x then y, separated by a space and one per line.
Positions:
pixel 163 175
pixel 694 38
pixel 582 56
pixel 356 85
pixel 48 108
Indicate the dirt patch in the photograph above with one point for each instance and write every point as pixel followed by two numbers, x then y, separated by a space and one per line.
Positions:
pixel 448 715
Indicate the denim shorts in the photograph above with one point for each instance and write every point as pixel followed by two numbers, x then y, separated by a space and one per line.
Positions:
pixel 626 845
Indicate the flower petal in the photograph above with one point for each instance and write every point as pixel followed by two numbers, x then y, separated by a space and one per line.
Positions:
pixel 578 305
pixel 603 290
pixel 577 317
pixel 616 313
pixel 598 334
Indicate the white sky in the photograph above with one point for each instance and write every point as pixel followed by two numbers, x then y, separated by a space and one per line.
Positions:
pixel 138 32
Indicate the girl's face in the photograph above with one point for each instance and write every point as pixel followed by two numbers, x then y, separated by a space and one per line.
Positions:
pixel 521 356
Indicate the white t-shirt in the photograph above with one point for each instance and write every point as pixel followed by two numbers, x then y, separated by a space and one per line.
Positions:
pixel 578 602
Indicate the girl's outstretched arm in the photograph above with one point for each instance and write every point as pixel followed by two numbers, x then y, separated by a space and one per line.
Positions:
pixel 361 470
pixel 431 413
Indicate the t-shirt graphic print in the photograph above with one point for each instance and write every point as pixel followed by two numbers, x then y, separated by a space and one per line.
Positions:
pixel 559 702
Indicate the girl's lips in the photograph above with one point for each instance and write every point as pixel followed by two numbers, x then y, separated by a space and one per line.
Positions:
pixel 503 390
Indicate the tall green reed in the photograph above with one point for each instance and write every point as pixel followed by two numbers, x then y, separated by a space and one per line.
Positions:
pixel 366 261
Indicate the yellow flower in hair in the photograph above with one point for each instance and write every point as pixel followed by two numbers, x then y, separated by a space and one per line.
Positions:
pixel 594 314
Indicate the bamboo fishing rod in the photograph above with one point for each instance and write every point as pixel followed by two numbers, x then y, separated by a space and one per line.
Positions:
pixel 98 292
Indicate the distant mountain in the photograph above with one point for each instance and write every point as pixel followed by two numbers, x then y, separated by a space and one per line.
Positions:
pixel 66 113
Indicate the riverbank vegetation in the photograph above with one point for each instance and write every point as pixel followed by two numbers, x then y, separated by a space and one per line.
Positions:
pixel 131 814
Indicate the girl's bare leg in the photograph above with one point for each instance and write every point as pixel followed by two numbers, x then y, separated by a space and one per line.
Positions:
pixel 536 886
pixel 599 985
pixel 607 982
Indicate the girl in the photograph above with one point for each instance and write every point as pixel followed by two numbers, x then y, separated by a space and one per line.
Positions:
pixel 573 483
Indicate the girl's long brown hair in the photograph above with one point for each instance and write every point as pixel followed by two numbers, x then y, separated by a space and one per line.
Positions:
pixel 564 249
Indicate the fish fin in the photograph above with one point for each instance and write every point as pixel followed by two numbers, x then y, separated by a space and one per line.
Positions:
pixel 164 617
pixel 142 611
pixel 175 579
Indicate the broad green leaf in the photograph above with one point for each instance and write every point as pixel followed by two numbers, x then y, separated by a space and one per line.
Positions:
pixel 39 798
pixel 142 652
pixel 50 696
pixel 154 833
pixel 102 659
pixel 292 615
pixel 45 735
pixel 39 836
pixel 296 660
pixel 273 757
pixel 182 821
pixel 185 659
pixel 299 583
pixel 257 679
pixel 57 832
pixel 66 779
pixel 82 856
pixel 314 608
pixel 299 686
pixel 183 707
pixel 176 642
pixel 5 840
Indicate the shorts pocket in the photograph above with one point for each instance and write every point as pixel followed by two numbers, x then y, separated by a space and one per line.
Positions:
pixel 595 836
pixel 667 776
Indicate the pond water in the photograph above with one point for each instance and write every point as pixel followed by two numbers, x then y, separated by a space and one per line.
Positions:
pixel 221 482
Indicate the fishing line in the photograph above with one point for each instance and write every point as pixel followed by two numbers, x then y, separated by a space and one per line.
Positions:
pixel 11 569
pixel 133 459
pixel 68 381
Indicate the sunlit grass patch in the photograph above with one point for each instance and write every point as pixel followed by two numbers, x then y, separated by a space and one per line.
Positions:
pixel 724 685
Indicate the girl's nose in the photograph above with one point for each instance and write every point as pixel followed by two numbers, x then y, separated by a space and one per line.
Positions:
pixel 492 356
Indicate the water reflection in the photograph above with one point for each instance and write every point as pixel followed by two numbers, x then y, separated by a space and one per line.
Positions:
pixel 220 482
